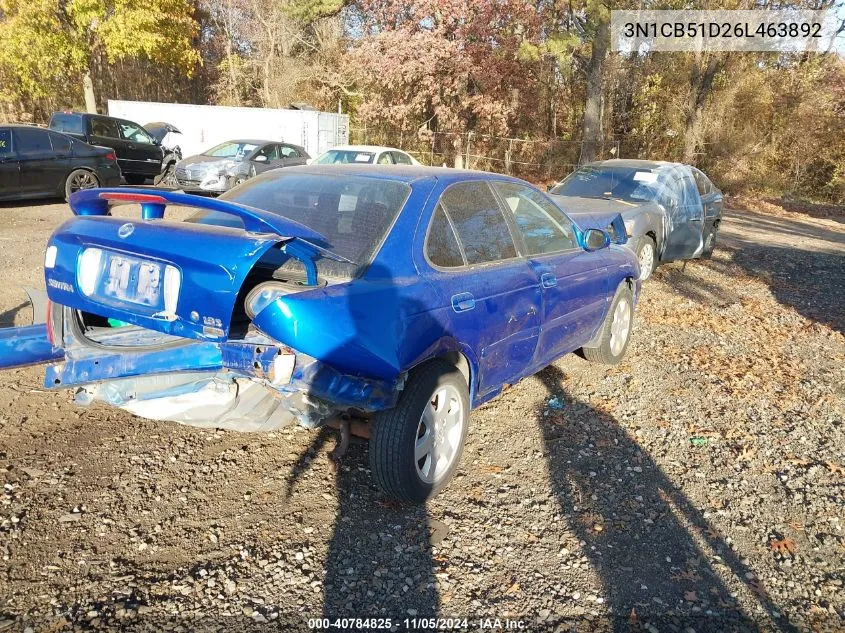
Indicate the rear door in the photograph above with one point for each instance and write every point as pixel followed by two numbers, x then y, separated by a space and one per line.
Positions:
pixel 41 170
pixel 684 231
pixel 9 169
pixel 143 154
pixel 574 281
pixel 494 294
pixel 105 131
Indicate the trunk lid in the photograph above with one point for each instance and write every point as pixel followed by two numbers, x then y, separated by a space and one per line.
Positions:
pixel 180 278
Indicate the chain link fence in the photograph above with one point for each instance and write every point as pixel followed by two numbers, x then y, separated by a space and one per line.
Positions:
pixel 539 161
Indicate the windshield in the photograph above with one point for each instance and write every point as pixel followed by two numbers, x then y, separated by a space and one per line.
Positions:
pixel 611 183
pixel 231 149
pixel 345 156
pixel 353 212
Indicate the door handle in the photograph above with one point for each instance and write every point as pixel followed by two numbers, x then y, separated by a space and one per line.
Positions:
pixel 548 280
pixel 463 302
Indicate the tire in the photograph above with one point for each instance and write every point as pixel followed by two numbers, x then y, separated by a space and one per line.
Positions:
pixel 647 256
pixel 395 439
pixel 134 179
pixel 613 343
pixel 80 179
pixel 709 244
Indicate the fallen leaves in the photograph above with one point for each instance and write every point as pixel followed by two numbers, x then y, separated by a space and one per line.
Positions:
pixel 783 546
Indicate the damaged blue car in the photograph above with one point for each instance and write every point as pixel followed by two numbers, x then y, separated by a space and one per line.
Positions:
pixel 399 297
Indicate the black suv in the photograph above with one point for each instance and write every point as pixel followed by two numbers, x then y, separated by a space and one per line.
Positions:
pixel 138 154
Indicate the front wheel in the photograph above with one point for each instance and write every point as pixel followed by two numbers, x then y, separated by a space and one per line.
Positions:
pixel 647 256
pixel 416 446
pixel 78 180
pixel 615 332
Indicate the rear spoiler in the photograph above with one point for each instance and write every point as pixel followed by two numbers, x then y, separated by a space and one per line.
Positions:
pixel 154 201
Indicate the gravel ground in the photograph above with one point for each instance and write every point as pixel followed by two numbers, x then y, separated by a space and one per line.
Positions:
pixel 697 486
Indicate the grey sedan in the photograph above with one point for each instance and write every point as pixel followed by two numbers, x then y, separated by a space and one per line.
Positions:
pixel 671 211
pixel 231 163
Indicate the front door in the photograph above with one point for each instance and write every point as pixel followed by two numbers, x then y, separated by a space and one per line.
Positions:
pixel 494 294
pixel 9 170
pixel 141 151
pixel 291 156
pixel 684 232
pixel 575 289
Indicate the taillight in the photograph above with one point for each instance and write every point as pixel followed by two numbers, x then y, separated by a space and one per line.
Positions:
pixel 111 156
pixel 50 336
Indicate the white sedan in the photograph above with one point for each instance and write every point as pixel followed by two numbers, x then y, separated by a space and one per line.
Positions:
pixel 365 154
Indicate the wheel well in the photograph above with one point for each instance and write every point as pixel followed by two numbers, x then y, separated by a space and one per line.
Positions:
pixel 458 360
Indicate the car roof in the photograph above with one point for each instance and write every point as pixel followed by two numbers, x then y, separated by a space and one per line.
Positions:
pixel 365 148
pixel 403 173
pixel 253 141
pixel 27 126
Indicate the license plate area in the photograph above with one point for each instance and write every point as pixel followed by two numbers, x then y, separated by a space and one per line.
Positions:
pixel 132 280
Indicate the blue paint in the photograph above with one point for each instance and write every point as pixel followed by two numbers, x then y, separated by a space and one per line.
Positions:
pixel 29 345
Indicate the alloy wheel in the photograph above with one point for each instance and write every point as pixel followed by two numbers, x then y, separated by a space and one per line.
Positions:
pixel 439 434
pixel 82 180
pixel 620 326
pixel 646 261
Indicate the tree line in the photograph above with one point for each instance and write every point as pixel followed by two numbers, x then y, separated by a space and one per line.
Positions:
pixel 521 69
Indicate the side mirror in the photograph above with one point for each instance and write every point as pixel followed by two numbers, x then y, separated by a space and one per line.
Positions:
pixel 261 158
pixel 596 239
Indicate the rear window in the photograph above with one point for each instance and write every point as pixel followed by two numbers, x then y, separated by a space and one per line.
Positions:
pixel 68 123
pixel 353 212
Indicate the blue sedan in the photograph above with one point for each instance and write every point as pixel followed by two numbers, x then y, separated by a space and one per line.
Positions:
pixel 399 296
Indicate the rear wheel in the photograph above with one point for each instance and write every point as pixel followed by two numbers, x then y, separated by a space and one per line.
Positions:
pixel 647 256
pixel 615 332
pixel 416 446
pixel 709 244
pixel 78 180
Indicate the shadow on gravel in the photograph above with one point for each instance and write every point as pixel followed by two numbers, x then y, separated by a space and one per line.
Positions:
pixel 379 561
pixel 655 553
pixel 812 283
pixel 7 317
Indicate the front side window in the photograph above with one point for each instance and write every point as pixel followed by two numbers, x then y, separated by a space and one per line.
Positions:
pixel 544 227
pixel 5 142
pixel 478 220
pixel 29 141
pixel 401 158
pixel 107 128
pixel 345 156
pixel 385 159
pixel 135 133
pixel 270 151
pixel 702 183
pixel 441 245
pixel 354 213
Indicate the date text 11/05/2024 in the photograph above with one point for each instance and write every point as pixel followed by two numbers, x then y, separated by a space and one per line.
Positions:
pixel 418 624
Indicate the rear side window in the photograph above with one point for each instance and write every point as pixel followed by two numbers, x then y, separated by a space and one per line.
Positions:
pixel 441 245
pixel 106 128
pixel 5 142
pixel 385 159
pixel 289 152
pixel 68 123
pixel 60 143
pixel 478 220
pixel 32 141
pixel 401 158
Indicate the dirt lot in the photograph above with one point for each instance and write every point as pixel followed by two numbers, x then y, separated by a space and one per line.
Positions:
pixel 697 486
